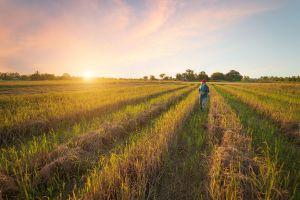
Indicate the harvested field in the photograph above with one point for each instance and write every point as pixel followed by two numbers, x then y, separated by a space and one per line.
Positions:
pixel 132 139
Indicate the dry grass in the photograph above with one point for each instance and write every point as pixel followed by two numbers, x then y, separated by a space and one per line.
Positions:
pixel 71 160
pixel 280 106
pixel 23 116
pixel 128 176
pixel 233 164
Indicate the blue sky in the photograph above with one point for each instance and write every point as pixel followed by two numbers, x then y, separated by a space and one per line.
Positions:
pixel 132 38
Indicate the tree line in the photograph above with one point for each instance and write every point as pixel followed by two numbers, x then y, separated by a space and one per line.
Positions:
pixel 37 76
pixel 231 76
pixel 188 75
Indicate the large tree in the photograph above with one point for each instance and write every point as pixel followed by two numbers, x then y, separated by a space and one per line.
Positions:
pixel 233 75
pixel 217 76
pixel 202 76
pixel 179 77
pixel 190 75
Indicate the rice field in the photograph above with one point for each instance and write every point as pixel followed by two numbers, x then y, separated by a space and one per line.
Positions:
pixel 133 139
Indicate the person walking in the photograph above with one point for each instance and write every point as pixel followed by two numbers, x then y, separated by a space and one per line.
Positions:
pixel 203 94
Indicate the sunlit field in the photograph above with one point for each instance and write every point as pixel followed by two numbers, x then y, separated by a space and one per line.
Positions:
pixel 134 139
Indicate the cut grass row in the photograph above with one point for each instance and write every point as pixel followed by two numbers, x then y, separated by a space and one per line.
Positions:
pixel 233 166
pixel 286 89
pixel 278 172
pixel 287 115
pixel 24 117
pixel 127 175
pixel 57 169
pixel 184 173
pixel 281 96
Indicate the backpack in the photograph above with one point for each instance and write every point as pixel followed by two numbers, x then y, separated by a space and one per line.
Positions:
pixel 204 90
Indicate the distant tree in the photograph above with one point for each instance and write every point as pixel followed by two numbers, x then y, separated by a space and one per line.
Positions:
pixel 162 76
pixel 246 79
pixel 152 77
pixel 190 75
pixel 178 77
pixel 202 76
pixel 145 78
pixel 233 75
pixel 217 76
pixel 66 76
pixel 167 78
pixel 35 76
pixel 10 76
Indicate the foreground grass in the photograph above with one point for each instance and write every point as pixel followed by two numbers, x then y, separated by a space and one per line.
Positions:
pixel 232 169
pixel 128 175
pixel 184 174
pixel 280 168
pixel 27 166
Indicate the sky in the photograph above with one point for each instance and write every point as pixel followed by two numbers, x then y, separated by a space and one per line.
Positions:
pixel 133 38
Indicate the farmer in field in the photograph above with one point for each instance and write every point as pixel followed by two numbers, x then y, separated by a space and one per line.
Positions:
pixel 203 94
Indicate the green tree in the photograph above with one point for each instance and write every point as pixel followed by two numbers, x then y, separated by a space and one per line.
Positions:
pixel 233 75
pixel 190 75
pixel 162 76
pixel 152 77
pixel 217 76
pixel 202 76
pixel 179 77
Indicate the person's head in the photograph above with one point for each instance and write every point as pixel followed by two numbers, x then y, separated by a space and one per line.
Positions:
pixel 203 81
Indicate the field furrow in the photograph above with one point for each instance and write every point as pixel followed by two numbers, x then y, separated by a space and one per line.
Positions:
pixel 76 157
pixel 128 175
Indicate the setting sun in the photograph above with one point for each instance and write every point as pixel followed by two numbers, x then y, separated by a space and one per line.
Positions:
pixel 88 75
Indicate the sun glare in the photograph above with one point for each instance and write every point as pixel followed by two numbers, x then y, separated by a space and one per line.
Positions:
pixel 87 75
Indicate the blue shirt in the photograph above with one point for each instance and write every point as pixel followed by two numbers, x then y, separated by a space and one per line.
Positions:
pixel 203 90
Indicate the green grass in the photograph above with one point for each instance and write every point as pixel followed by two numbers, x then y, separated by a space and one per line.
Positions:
pixel 184 174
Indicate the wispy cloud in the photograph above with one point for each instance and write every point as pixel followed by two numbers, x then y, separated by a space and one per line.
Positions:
pixel 58 36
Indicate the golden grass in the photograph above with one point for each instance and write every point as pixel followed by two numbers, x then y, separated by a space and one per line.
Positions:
pixel 127 176
pixel 78 155
pixel 27 115
pixel 233 163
